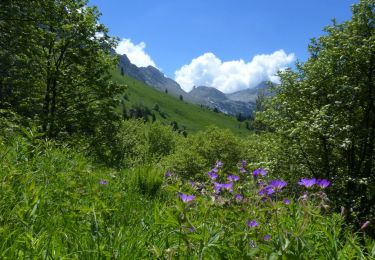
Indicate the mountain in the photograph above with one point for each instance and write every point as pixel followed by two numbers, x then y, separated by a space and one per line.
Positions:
pixel 250 94
pixel 241 102
pixel 214 98
pixel 168 109
pixel 151 76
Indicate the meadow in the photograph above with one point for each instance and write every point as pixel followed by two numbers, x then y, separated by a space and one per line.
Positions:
pixel 56 203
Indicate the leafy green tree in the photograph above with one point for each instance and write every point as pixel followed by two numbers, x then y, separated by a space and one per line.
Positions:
pixel 325 110
pixel 55 66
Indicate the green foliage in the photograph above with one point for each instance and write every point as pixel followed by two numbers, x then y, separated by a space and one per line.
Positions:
pixel 124 146
pixel 145 180
pixel 56 68
pixel 325 111
pixel 197 152
pixel 161 141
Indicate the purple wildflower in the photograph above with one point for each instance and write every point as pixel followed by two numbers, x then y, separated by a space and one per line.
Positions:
pixel 238 197
pixel 252 223
pixel 103 182
pixel 307 182
pixel 323 183
pixel 192 229
pixel 228 186
pixel 267 237
pixel 277 184
pixel 192 183
pixel 213 175
pixel 233 178
pixel 220 186
pixel 267 191
pixel 243 166
pixel 168 174
pixel 259 171
pixel 365 225
pixel 261 184
pixel 287 201
pixel 186 198
pixel 218 164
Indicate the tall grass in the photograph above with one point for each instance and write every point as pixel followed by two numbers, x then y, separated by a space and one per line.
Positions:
pixel 55 204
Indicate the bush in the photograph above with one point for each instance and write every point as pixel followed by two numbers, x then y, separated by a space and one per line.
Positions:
pixel 196 153
pixel 125 146
pixel 161 141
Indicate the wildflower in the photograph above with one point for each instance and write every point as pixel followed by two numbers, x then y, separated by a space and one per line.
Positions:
pixel 307 182
pixel 233 178
pixel 267 191
pixel 228 186
pixel 261 184
pixel 259 171
pixel 192 229
pixel 267 237
pixel 365 225
pixel 212 175
pixel 277 184
pixel 218 164
pixel 238 197
pixel 243 166
pixel 286 201
pixel 252 223
pixel 323 183
pixel 103 182
pixel 168 174
pixel 186 198
pixel 220 186
pixel 243 163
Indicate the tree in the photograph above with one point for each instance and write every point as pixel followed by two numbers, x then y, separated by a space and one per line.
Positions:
pixel 181 98
pixel 325 110
pixel 57 59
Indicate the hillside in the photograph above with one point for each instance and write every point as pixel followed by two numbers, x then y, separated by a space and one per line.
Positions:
pixel 192 117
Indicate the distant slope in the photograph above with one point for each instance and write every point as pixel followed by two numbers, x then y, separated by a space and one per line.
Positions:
pixel 192 117
pixel 250 94
pixel 150 76
pixel 214 98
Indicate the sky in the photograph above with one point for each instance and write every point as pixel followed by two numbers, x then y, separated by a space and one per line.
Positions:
pixel 227 44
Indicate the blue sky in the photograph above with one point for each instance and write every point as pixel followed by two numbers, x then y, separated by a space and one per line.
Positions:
pixel 223 36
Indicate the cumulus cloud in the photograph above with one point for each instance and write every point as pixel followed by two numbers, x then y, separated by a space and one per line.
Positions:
pixel 135 52
pixel 231 76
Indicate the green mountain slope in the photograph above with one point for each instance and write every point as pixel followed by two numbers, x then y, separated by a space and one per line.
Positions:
pixel 189 116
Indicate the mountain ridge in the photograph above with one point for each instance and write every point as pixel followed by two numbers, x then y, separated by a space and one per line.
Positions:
pixel 240 102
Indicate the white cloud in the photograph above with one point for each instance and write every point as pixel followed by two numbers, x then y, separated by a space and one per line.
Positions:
pixel 135 53
pixel 231 76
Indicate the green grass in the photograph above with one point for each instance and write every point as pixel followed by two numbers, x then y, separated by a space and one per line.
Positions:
pixel 54 206
pixel 191 116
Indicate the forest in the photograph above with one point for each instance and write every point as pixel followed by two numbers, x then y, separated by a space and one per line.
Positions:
pixel 83 176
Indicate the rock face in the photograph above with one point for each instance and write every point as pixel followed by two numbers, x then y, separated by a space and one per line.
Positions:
pixel 250 94
pixel 241 102
pixel 214 98
pixel 151 76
